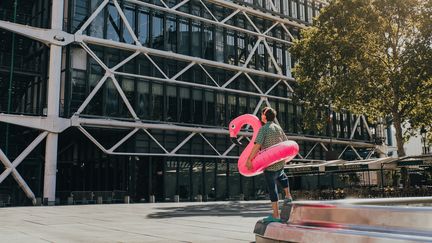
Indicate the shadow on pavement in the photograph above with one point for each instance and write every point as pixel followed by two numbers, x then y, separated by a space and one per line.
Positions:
pixel 213 209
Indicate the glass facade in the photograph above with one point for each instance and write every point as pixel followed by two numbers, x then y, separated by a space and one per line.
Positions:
pixel 83 167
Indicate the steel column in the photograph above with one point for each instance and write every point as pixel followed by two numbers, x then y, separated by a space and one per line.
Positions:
pixel 53 105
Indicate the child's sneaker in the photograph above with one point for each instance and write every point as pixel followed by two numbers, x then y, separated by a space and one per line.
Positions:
pixel 271 219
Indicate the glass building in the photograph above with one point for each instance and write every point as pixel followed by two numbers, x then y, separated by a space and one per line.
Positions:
pixel 145 91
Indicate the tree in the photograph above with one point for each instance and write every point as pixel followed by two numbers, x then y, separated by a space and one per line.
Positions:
pixel 369 57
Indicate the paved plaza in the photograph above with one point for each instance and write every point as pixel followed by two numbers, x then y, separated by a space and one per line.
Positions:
pixel 159 222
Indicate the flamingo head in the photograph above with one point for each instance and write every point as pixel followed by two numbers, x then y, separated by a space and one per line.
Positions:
pixel 237 123
pixel 234 128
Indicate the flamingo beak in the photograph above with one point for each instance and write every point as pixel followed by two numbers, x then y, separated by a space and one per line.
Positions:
pixel 235 141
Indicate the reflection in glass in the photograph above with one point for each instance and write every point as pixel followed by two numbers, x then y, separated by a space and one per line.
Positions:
pixel 208 43
pixel 171 33
pixel 157 33
pixel 143 33
pixel 113 26
pixel 130 16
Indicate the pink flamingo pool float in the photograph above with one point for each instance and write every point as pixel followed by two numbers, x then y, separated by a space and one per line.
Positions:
pixel 286 150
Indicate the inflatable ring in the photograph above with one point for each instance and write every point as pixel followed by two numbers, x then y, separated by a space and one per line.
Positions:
pixel 286 150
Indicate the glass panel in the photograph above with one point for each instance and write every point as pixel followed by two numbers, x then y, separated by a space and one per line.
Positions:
pixel 210 108
pixel 221 180
pixel 219 45
pixel 232 107
pixel 196 39
pixel 241 50
pixel 220 109
pixel 208 43
pixel 210 181
pixel 260 57
pixel 185 102
pixel 128 87
pixel 197 179
pixel 171 41
pixel 248 188
pixel 302 10
pixel 111 99
pixel 197 106
pixel 143 33
pixel 310 13
pixel 113 24
pixel 130 16
pixel 294 8
pixel 242 105
pixel 171 103
pixel 157 33
pixel 170 179
pixel 97 25
pixel 282 113
pixel 157 101
pixel 230 48
pixel 288 64
pixel 143 100
pixel 184 180
pixel 184 37
pixel 234 181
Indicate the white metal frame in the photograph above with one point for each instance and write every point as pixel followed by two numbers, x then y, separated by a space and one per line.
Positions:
pixel 51 125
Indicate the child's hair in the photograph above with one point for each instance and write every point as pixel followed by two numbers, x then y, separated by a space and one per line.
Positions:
pixel 270 113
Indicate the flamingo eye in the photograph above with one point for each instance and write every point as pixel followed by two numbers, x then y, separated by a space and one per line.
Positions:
pixel 232 126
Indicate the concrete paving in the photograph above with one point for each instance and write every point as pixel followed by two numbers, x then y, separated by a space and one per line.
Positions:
pixel 158 222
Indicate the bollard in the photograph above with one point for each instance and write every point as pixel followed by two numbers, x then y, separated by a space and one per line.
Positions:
pixel 241 197
pixel 70 201
pixel 152 199
pixel 199 198
pixel 127 199
pixel 176 198
pixel 38 201
pixel 99 200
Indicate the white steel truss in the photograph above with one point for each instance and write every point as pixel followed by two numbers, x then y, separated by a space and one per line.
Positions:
pixel 52 125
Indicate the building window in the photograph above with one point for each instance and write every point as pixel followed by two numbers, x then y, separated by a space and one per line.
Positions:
pixel 157 101
pixel 171 33
pixel 294 8
pixel 184 41
pixel 209 108
pixel 143 100
pixel 196 39
pixel 220 109
pixel 157 32
pixel 130 16
pixel 185 105
pixel 171 98
pixel 113 24
pixel 197 106
pixel 230 48
pixel 143 31
pixel 208 43
pixel 241 50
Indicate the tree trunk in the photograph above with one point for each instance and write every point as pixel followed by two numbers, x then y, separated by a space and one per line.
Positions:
pixel 399 136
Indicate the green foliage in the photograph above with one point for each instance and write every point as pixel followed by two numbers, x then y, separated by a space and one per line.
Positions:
pixel 369 57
